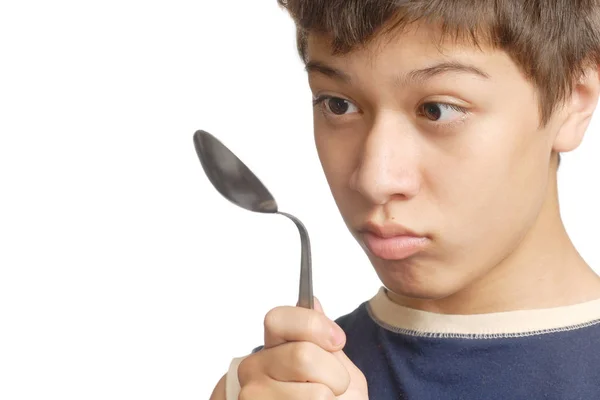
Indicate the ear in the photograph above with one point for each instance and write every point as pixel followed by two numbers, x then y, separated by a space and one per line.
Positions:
pixel 578 111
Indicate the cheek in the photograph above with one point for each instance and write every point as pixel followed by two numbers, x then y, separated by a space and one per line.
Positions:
pixel 339 155
pixel 492 195
pixel 334 161
pixel 338 149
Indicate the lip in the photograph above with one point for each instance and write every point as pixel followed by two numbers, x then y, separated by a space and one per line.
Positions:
pixel 392 241
pixel 389 230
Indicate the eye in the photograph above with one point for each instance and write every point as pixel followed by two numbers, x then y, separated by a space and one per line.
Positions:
pixel 335 105
pixel 441 112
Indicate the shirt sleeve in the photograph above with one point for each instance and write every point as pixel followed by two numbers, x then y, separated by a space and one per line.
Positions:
pixel 232 382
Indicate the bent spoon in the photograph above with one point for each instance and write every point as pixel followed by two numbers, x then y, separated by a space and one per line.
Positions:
pixel 234 180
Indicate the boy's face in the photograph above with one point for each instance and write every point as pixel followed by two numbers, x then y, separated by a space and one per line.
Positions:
pixel 443 141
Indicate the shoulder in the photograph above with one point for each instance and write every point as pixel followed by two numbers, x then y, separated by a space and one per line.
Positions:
pixel 359 315
pixel 362 332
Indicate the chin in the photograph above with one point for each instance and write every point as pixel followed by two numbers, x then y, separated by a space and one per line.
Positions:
pixel 415 279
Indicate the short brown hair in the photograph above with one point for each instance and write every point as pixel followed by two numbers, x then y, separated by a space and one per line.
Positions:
pixel 551 41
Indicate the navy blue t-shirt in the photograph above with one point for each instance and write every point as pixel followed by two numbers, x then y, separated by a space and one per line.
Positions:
pixel 533 354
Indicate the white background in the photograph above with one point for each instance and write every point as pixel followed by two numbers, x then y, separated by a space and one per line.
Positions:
pixel 123 273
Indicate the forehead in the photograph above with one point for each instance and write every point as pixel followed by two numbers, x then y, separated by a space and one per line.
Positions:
pixel 412 47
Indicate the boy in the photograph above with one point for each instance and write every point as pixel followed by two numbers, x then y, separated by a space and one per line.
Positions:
pixel 439 125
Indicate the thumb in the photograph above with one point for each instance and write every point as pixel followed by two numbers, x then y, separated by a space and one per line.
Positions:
pixel 319 308
pixel 358 382
pixel 317 305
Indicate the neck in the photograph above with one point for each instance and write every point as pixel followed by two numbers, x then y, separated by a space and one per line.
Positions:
pixel 545 271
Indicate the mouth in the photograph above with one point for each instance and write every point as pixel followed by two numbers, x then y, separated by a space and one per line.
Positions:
pixel 392 241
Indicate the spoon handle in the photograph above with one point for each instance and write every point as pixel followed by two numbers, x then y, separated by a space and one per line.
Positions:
pixel 305 298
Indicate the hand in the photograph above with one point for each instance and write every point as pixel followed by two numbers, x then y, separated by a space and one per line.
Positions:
pixel 302 359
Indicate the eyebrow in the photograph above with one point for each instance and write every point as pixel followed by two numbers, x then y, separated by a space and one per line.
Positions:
pixel 421 75
pixel 320 67
pixel 414 76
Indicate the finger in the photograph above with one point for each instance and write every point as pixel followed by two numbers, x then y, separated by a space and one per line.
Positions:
pixel 355 374
pixel 273 390
pixel 295 362
pixel 295 324
pixel 344 360
pixel 306 362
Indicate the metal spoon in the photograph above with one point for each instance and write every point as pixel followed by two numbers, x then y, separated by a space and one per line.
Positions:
pixel 234 180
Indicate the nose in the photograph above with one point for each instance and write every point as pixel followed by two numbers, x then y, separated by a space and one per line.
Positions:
pixel 388 167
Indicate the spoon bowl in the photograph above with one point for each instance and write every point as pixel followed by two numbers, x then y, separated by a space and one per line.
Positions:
pixel 231 177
